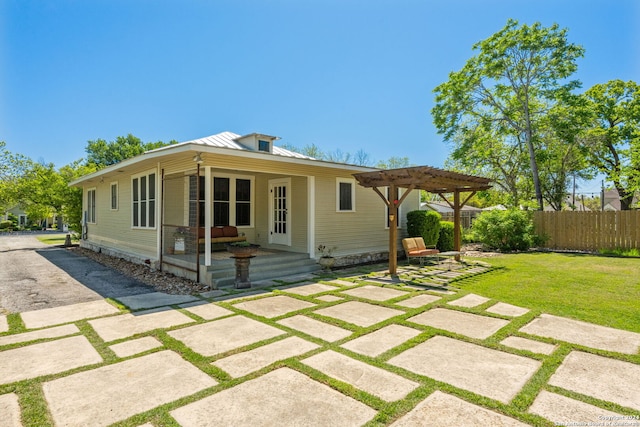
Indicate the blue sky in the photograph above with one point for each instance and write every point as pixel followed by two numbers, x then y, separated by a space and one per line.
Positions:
pixel 341 74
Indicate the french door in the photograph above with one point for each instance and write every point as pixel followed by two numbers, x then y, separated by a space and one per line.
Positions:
pixel 279 212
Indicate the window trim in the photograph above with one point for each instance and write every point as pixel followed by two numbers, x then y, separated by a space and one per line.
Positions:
pixel 146 175
pixel 91 208
pixel 232 197
pixel 117 196
pixel 352 182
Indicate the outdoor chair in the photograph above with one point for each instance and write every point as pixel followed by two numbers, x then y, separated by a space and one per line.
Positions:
pixel 414 247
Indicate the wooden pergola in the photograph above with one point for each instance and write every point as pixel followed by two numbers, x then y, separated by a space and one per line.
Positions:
pixel 426 178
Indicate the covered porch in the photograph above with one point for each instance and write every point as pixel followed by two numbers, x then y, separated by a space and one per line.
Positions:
pixel 206 207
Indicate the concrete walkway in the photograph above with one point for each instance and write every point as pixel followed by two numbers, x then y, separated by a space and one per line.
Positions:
pixel 324 351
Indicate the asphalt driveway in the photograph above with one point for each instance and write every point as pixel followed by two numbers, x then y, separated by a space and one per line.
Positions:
pixel 35 276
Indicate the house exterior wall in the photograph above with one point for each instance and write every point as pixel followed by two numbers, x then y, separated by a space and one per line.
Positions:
pixel 362 231
pixel 113 230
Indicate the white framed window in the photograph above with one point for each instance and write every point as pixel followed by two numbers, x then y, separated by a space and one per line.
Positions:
pixel 233 200
pixel 345 195
pixel 143 194
pixel 91 205
pixel 114 196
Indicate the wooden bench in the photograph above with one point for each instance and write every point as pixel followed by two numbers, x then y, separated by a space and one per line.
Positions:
pixel 220 235
pixel 414 247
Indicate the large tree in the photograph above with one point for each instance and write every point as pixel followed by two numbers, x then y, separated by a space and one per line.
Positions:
pixel 613 138
pixel 518 74
pixel 102 153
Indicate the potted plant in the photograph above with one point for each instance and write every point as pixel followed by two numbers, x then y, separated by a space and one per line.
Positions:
pixel 326 259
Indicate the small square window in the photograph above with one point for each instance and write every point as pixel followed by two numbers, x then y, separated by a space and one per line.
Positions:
pixel 264 146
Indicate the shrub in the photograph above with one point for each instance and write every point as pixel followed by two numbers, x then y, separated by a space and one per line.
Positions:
pixel 505 230
pixel 445 241
pixel 425 224
pixel 4 224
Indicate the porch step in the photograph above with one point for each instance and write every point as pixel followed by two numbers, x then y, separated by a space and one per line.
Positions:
pixel 223 274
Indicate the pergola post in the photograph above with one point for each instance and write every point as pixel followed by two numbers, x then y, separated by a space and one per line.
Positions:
pixel 393 229
pixel 457 239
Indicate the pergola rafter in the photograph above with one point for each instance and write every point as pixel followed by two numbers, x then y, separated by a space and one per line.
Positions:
pixel 426 178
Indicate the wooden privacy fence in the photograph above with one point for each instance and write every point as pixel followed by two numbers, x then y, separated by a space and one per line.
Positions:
pixel 589 231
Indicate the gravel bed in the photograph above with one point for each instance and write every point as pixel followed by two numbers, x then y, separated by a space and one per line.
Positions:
pixel 160 281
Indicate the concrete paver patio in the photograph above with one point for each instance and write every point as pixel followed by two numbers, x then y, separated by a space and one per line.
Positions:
pixel 263 358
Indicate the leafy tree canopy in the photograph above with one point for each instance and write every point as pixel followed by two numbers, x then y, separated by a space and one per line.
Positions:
pixel 502 94
pixel 102 153
pixel 612 139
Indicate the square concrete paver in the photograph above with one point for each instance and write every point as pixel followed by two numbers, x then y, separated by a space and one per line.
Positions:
pixel 9 410
pixel 378 382
pixel 208 311
pixel 328 298
pixel 375 293
pixel 376 343
pixel 471 325
pixel 507 309
pixel 530 345
pixel 583 333
pixel 484 371
pixel 271 307
pixel 443 410
pixel 55 332
pixel 102 396
pixel 46 358
pixel 67 313
pixel 418 301
pixel 226 334
pixel 269 400
pixel 140 345
pixel 600 377
pixel 359 313
pixel 562 410
pixel 241 364
pixel 307 289
pixel 126 325
pixel 469 300
pixel 155 299
pixel 315 328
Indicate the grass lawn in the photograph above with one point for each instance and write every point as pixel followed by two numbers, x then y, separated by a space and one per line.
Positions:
pixel 597 289
pixel 55 239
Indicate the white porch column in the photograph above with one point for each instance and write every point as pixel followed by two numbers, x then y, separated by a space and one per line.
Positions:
pixel 311 215
pixel 207 216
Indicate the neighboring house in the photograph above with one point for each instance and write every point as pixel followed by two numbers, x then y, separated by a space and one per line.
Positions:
pixel 18 212
pixel 467 213
pixel 279 199
pixel 612 200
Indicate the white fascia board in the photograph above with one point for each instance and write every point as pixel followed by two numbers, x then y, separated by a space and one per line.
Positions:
pixel 191 147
